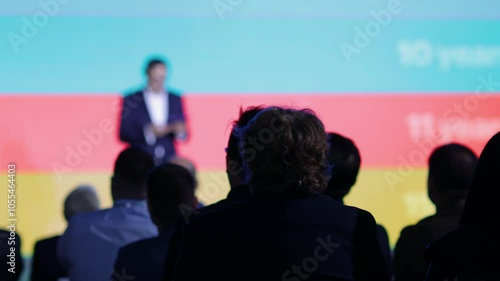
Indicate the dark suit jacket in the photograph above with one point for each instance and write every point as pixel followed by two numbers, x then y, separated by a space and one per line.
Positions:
pixel 409 258
pixel 135 116
pixel 145 258
pixel 469 253
pixel 383 240
pixel 45 265
pixel 236 194
pixel 284 236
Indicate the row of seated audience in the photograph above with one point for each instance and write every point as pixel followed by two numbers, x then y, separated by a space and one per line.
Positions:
pixel 283 219
pixel 45 265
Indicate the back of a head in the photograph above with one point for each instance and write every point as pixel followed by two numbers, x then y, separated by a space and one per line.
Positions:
pixel 185 163
pixel 285 150
pixel 131 169
pixel 451 169
pixel 12 263
pixel 345 160
pixel 170 190
pixel 82 199
pixel 485 189
pixel 235 162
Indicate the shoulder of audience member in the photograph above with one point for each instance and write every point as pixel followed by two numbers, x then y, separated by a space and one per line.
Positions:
pixel 218 206
pixel 217 211
pixel 364 218
pixel 229 206
pixel 422 224
pixel 137 246
pixel 408 233
pixel 226 208
pixel 46 240
pixel 84 218
pixel 415 229
pixel 332 203
pixel 425 221
pixel 382 231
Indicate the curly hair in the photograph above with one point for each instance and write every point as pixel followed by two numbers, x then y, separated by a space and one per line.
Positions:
pixel 285 149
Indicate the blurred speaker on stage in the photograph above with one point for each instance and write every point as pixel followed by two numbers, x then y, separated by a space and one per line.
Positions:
pixel 153 118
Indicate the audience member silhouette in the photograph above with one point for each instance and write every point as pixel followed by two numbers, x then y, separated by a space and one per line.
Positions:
pixel 45 264
pixel 451 169
pixel 170 188
pixel 472 251
pixel 285 230
pixel 88 248
pixel 188 165
pixel 234 162
pixel 153 117
pixel 12 263
pixel 345 160
pixel 239 191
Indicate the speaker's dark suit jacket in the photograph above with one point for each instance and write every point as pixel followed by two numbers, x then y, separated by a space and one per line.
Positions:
pixel 282 237
pixel 135 116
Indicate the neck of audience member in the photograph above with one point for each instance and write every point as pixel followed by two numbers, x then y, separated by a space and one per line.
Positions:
pixel 449 205
pixel 337 193
pixel 235 181
pixel 161 225
pixel 234 171
pixel 336 197
pixel 123 190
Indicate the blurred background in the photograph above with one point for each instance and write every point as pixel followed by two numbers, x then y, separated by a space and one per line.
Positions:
pixel 397 76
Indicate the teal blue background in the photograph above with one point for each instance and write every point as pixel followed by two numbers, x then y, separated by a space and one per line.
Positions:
pixel 259 46
pixel 442 9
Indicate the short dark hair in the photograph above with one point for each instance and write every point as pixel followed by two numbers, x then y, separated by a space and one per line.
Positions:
pixel 169 186
pixel 232 149
pixel 452 167
pixel 132 167
pixel 291 154
pixel 154 62
pixel 345 160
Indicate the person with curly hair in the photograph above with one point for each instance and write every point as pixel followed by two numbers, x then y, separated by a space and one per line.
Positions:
pixel 285 230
